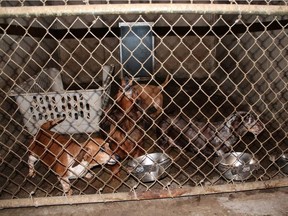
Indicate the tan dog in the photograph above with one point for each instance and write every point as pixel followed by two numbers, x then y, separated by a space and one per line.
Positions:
pixel 62 154
pixel 150 97
pixel 125 132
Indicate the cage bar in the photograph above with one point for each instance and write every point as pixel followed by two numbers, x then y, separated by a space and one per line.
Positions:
pixel 120 9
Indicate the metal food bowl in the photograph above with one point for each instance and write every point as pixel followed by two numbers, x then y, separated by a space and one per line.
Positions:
pixel 282 162
pixel 237 165
pixel 150 167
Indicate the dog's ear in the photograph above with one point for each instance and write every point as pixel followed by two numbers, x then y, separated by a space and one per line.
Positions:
pixel 80 156
pixel 88 154
pixel 84 154
pixel 237 120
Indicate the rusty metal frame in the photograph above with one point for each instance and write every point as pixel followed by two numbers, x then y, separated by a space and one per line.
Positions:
pixel 119 9
pixel 133 195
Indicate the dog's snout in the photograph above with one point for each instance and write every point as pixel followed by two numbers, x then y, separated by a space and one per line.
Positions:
pixel 117 157
pixel 113 159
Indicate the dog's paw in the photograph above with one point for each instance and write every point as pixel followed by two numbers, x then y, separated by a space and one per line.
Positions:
pixel 88 176
pixel 32 174
pixel 67 193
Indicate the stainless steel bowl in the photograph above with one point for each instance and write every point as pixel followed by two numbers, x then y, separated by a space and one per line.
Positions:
pixel 282 162
pixel 150 167
pixel 237 165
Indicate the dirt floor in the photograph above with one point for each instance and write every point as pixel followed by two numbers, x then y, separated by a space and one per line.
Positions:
pixel 262 202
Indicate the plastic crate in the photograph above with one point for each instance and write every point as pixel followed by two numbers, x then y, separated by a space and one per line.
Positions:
pixel 82 109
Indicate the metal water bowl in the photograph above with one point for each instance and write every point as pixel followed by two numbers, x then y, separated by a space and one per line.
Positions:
pixel 282 162
pixel 150 167
pixel 237 166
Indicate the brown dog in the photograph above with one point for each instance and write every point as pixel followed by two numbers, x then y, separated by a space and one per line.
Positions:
pixel 62 154
pixel 150 97
pixel 125 132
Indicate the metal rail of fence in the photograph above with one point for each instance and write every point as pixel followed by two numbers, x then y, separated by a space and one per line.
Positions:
pixel 212 106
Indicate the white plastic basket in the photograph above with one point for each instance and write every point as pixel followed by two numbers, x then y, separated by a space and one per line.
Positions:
pixel 82 109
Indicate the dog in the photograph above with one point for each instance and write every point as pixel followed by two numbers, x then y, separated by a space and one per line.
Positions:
pixel 67 158
pixel 125 117
pixel 208 137
pixel 150 97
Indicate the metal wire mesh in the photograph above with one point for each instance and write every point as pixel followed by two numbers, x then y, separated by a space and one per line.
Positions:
pixel 19 3
pixel 218 85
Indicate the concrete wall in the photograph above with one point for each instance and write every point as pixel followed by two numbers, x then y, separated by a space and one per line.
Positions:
pixel 257 68
pixel 21 57
pixel 183 57
pixel 254 63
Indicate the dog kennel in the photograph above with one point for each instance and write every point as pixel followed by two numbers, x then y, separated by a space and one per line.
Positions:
pixel 221 57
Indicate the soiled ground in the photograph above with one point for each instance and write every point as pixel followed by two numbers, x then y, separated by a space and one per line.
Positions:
pixel 264 202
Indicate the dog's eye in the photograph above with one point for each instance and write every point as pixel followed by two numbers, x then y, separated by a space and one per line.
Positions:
pixel 109 145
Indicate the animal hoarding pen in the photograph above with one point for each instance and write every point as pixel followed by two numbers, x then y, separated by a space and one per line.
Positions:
pixel 205 108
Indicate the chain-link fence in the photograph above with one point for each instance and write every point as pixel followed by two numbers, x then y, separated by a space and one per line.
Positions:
pixel 131 105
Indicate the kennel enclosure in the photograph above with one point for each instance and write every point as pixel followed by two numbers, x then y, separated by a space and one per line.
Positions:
pixel 222 56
